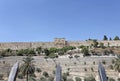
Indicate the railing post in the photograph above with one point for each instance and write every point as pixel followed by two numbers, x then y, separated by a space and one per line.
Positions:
pixel 13 72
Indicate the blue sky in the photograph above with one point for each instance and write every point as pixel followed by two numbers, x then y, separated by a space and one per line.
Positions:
pixel 44 20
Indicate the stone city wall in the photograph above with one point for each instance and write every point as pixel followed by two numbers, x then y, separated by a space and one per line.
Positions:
pixel 88 43
pixel 111 43
pixel 24 45
pixel 79 43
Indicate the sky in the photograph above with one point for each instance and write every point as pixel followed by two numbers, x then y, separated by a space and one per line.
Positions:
pixel 44 20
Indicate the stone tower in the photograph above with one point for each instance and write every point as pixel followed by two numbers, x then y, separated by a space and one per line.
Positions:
pixel 60 42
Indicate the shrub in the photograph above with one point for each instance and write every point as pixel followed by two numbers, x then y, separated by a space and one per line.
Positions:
pixel 42 79
pixel 65 64
pixel 53 72
pixel 52 55
pixel 76 56
pixel 64 77
pixel 94 62
pixel 67 73
pixel 77 79
pixel 92 69
pixel 84 63
pixel 104 62
pixel 20 76
pixel 45 74
pixel 75 63
pixel 31 79
pixel 3 62
pixel 1 76
pixel 51 78
pixel 85 69
pixel 70 57
pixel 60 52
pixel 68 69
pixel 118 79
pixel 111 66
pixel 25 52
pixel 113 61
pixel 32 75
pixel 46 57
pixel 91 78
pixel 111 79
pixel 38 70
pixel 69 80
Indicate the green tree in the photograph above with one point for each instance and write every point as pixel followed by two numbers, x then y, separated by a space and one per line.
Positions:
pixel 117 63
pixel 52 55
pixel 108 44
pixel 53 50
pixel 82 46
pixel 95 43
pixel 25 52
pixel 66 48
pixel 31 52
pixel 101 45
pixel 19 52
pixel 39 50
pixel 116 38
pixel 27 68
pixel 46 51
pixel 8 50
pixel 110 38
pixel 85 51
pixel 105 37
